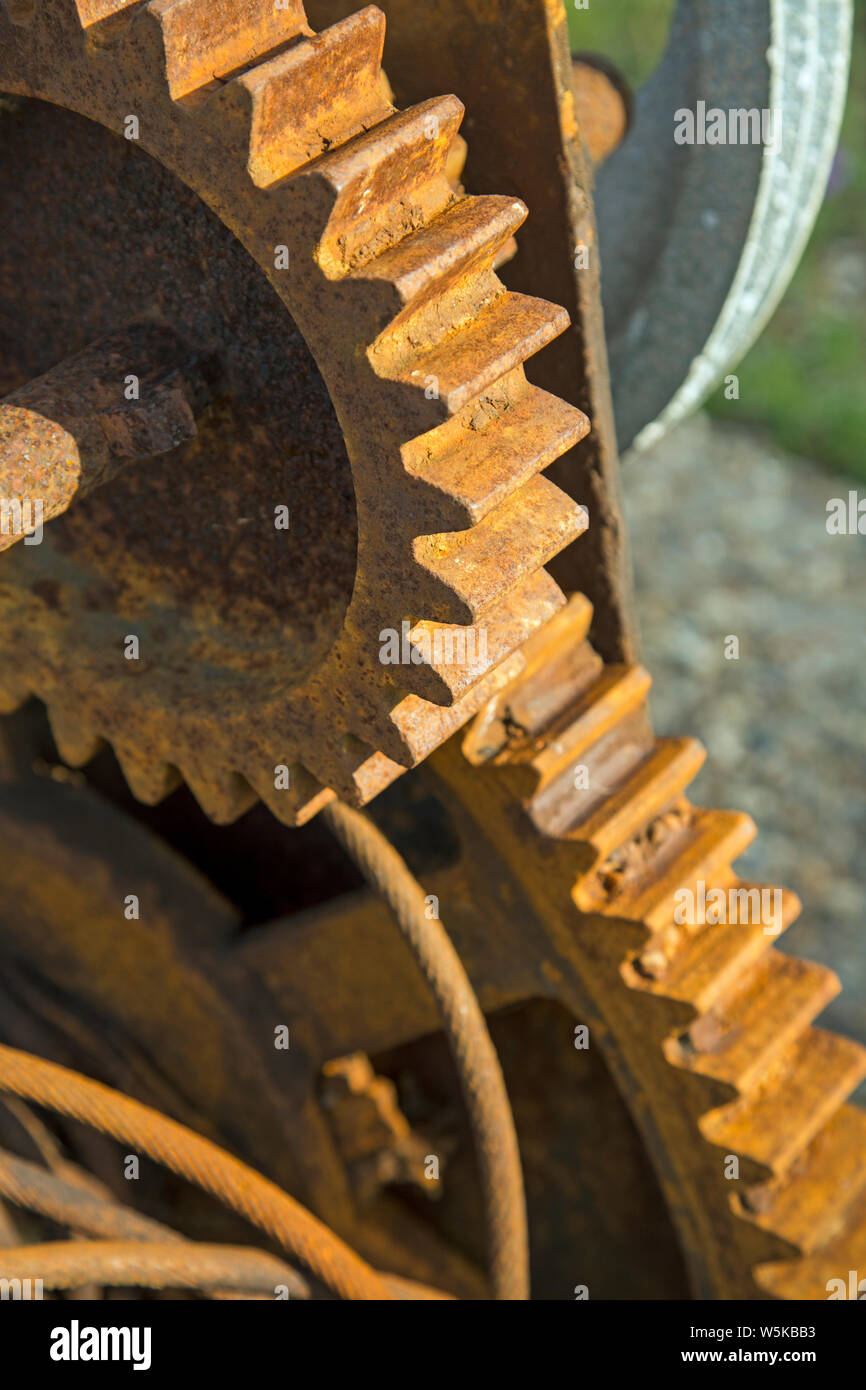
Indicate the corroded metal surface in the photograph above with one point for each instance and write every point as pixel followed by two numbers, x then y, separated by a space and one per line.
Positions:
pixel 602 107
pixel 69 431
pixel 347 207
pixel 359 349
pixel 708 1028
pixel 495 56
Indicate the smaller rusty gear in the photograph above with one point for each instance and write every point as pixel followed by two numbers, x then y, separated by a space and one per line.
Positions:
pixel 386 277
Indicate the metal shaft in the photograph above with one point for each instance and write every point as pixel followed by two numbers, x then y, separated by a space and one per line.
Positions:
pixel 128 397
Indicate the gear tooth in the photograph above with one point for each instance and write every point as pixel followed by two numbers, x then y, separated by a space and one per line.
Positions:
pixel 654 783
pixel 13 692
pixel 353 769
pixel 91 12
pixel 456 658
pixel 709 966
pixel 370 731
pixel 607 699
pixel 385 183
pixel 149 782
pixel 463 574
pixel 372 777
pixel 810 1279
pixel 738 1041
pixel 810 1207
pixel 443 273
pixel 707 841
pixel 296 803
pixel 75 743
pixel 293 115
pixel 509 330
pixel 558 665
pixel 205 40
pixel 817 1074
pixel 423 727
pixel 489 449
pixel 400 727
pixel 222 796
pixel 357 780
pixel 626 786
pixel 311 796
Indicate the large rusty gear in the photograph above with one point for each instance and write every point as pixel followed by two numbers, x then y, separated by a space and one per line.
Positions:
pixel 706 1029
pixel 390 280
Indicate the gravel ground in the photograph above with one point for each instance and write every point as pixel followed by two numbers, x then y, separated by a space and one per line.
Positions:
pixel 729 539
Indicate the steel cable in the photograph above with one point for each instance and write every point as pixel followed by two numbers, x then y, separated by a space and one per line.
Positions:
pixel 199 1160
pixel 68 1264
pixel 83 1212
pixel 80 1210
pixel 478 1066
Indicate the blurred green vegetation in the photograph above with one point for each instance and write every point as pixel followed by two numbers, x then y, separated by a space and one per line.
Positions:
pixel 804 378
pixel 631 33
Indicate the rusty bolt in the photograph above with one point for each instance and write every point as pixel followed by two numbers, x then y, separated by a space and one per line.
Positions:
pixel 602 104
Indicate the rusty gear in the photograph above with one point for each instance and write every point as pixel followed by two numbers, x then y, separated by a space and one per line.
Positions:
pixel 576 836
pixel 704 1021
pixel 388 273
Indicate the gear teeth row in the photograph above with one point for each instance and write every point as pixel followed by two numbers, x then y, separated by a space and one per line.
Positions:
pixel 421 734
pixel 833 1265
pixel 555 666
pixel 370 199
pixel 406 733
pixel 776 1086
pixel 225 797
pixel 411 728
pixel 395 221
pixel 222 798
pixel 422 260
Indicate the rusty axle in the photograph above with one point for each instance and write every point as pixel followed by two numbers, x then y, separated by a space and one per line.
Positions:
pixel 130 396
